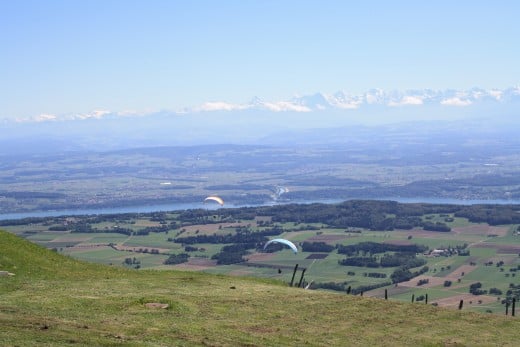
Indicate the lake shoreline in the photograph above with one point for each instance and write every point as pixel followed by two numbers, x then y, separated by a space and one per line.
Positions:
pixel 198 205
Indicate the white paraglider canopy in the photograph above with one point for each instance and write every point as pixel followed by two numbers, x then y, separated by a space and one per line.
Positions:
pixel 282 241
pixel 214 198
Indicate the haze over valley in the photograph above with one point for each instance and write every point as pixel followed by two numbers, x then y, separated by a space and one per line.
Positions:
pixel 260 173
pixel 247 157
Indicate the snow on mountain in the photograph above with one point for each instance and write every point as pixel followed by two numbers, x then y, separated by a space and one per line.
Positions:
pixel 338 101
pixel 259 120
pixel 342 100
pixel 316 101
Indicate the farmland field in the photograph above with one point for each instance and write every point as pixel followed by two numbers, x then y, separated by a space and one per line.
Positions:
pixel 471 261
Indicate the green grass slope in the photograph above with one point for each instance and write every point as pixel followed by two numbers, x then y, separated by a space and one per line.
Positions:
pixel 58 301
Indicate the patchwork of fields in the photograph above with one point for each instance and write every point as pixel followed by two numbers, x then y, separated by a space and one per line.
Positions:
pixel 469 254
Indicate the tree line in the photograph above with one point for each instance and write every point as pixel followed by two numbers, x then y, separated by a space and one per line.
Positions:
pixel 369 214
pixel 369 247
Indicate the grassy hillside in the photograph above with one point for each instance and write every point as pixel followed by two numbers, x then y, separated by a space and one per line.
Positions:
pixel 55 300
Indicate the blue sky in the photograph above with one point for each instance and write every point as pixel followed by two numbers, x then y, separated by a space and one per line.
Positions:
pixel 78 56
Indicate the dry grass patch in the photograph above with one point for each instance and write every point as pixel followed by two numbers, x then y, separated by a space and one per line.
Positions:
pixel 197 264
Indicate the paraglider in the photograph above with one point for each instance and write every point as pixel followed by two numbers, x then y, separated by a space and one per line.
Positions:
pixel 282 241
pixel 278 191
pixel 214 198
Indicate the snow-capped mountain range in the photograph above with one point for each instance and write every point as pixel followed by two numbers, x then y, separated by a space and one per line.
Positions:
pixel 317 118
pixel 339 101
pixel 346 101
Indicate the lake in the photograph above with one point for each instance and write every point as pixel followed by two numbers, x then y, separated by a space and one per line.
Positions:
pixel 186 206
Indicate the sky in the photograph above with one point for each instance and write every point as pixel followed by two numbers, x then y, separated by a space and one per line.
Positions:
pixel 68 56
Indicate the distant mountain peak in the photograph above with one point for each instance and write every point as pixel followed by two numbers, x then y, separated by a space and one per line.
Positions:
pixel 338 101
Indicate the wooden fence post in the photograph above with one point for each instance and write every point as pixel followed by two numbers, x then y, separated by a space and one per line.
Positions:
pixel 301 278
pixel 293 274
pixel 426 299
pixel 513 307
pixel 413 298
pixel 386 294
pixel 461 303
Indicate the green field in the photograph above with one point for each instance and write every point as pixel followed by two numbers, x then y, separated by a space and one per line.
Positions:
pixel 51 300
pixel 489 260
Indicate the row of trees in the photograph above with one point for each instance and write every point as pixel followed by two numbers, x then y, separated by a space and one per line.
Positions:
pixel 233 254
pixel 406 260
pixel 437 226
pixel 491 214
pixel 376 248
pixel 512 292
pixel 240 236
pixel 317 247
pixel 404 273
pixel 371 214
pixel 379 215
pixel 174 259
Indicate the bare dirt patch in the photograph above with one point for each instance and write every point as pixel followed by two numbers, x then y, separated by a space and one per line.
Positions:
pixel 453 301
pixel 481 229
pixel 156 305
pixel 437 281
pixel 457 273
pixel 432 282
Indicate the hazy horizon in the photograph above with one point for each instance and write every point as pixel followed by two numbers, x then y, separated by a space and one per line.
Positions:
pixel 98 58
